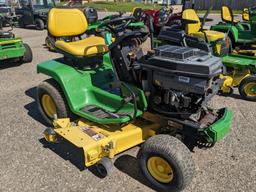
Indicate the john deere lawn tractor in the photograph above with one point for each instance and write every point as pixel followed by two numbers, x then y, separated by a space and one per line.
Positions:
pixel 107 99
pixel 241 33
pixel 13 49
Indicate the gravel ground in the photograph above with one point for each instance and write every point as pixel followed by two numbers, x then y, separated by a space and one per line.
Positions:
pixel 28 164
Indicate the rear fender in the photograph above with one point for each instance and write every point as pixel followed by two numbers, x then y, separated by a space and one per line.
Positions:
pixel 73 82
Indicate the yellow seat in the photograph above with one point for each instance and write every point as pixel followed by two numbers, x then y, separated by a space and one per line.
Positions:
pixel 86 47
pixel 246 16
pixel 194 29
pixel 70 23
pixel 227 15
pixel 211 35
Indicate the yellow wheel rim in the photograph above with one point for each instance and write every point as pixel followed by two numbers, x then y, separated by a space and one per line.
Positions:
pixel 160 169
pixel 48 105
pixel 250 89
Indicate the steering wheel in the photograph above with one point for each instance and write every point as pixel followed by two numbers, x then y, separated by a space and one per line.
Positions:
pixel 164 14
pixel 117 25
pixel 205 17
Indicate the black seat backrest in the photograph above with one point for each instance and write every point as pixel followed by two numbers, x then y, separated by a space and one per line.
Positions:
pixel 173 35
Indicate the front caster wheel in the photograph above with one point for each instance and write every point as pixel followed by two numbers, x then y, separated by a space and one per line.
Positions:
pixel 166 163
pixel 49 44
pixel 227 91
pixel 247 88
pixel 104 167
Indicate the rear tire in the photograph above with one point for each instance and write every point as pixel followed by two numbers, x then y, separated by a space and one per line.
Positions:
pixel 39 24
pixel 230 44
pixel 21 23
pixel 49 44
pixel 247 88
pixel 50 88
pixel 28 56
pixel 174 166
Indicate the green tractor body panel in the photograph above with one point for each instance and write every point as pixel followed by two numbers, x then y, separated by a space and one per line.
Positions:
pixel 137 24
pixel 220 128
pixel 85 88
pixel 240 61
pixel 11 48
pixel 93 26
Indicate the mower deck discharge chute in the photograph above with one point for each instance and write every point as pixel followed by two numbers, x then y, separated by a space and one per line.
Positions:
pixel 108 99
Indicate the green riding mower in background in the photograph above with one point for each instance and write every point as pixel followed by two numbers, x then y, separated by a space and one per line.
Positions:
pixel 13 49
pixel 106 99
pixel 241 73
pixel 242 34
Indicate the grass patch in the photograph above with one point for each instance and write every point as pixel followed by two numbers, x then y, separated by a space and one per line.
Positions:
pixel 124 7
pixel 128 7
pixel 118 6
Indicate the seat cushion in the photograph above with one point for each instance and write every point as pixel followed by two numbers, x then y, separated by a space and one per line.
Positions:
pixel 211 35
pixel 86 47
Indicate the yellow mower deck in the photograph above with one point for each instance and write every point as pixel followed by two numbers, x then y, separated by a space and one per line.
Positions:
pixel 98 141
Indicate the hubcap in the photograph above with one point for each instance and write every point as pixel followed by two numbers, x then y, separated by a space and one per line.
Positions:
pixel 160 169
pixel 48 105
pixel 250 89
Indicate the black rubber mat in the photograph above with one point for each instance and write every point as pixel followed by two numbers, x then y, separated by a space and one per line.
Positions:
pixel 101 113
